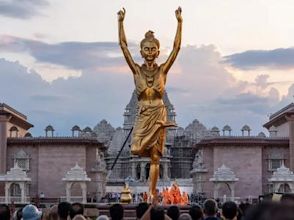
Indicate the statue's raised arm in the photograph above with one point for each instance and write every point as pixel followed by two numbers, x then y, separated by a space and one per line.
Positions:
pixel 177 43
pixel 123 41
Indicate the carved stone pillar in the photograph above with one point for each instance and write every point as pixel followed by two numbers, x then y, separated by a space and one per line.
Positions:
pixel 84 192
pixel 165 171
pixel 143 175
pixel 101 184
pixel 3 142
pixel 198 183
pixel 23 192
pixel 134 170
pixel 7 195
pixel 290 120
pixel 232 187
pixel 276 187
pixel 215 191
pixel 68 191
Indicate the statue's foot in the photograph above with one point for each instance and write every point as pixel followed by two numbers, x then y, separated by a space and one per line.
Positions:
pixel 150 198
pixel 166 124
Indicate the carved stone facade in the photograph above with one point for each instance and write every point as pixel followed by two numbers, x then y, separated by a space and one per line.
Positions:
pixel 45 160
pixel 16 177
pixel 283 180
pixel 224 176
pixel 257 161
pixel 76 175
pixel 191 156
pixel 178 157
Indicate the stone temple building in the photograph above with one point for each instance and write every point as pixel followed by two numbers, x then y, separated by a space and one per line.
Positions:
pixel 175 164
pixel 207 162
pixel 246 166
pixel 49 166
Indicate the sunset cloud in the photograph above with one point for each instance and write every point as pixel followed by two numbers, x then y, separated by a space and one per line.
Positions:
pixel 281 58
pixel 21 9
pixel 199 86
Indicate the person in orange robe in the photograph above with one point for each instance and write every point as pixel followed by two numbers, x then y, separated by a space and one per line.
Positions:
pixel 175 194
pixel 178 195
pixel 167 197
pixel 145 197
pixel 184 199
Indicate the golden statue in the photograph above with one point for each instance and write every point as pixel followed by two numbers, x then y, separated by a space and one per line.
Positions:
pixel 148 136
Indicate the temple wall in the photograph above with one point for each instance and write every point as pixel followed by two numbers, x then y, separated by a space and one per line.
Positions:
pixel 283 130
pixel 246 162
pixel 53 163
pixel 49 164
pixel 90 163
pixel 208 158
pixel 32 173
pixel 268 152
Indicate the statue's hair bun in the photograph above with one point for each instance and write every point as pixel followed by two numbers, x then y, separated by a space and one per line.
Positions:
pixel 149 35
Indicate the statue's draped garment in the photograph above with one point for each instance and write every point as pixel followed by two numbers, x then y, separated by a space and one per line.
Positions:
pixel 151 118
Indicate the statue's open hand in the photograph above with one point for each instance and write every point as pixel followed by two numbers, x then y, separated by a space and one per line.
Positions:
pixel 121 14
pixel 179 14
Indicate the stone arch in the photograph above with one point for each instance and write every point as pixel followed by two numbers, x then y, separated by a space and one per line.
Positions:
pixel 215 131
pixel 224 189
pixel 76 192
pixel 261 134
pixel 13 131
pixel 282 179
pixel 14 190
pixel 76 131
pixel 88 132
pixel 227 130
pixel 79 176
pixel 49 131
pixel 224 175
pixel 15 179
pixel 284 188
pixel 245 130
pixel 28 135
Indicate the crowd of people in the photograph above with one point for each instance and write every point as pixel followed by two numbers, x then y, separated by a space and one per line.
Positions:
pixel 275 209
pixel 172 196
pixel 168 196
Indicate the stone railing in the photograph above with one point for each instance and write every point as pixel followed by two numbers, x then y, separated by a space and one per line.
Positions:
pixel 228 198
pixel 72 199
pixel 14 199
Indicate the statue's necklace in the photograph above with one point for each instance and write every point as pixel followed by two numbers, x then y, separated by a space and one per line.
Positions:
pixel 149 76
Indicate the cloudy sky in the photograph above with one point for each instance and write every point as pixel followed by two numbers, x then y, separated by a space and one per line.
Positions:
pixel 60 62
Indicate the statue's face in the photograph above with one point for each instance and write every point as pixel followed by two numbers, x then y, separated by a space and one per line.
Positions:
pixel 149 51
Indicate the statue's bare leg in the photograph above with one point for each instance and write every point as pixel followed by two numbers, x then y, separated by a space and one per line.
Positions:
pixel 154 172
